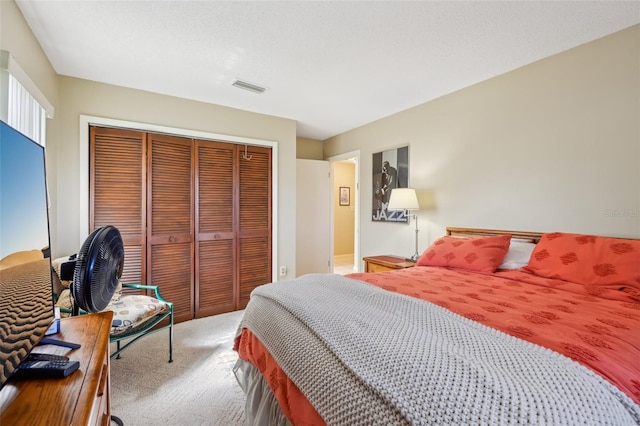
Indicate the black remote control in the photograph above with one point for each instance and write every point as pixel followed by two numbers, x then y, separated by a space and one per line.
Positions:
pixel 45 369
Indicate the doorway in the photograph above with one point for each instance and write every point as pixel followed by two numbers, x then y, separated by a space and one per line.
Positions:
pixel 345 216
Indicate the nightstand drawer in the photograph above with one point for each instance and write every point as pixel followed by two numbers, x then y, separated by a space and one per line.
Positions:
pixel 372 267
pixel 385 263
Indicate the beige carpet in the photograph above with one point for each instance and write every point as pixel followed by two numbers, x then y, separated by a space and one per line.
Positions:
pixel 197 388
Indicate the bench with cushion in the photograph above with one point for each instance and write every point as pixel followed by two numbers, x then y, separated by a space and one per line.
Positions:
pixel 138 310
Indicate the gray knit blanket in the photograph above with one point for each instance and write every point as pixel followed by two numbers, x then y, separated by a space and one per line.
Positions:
pixel 365 356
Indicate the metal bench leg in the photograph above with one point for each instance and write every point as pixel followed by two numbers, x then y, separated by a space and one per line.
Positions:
pixel 171 336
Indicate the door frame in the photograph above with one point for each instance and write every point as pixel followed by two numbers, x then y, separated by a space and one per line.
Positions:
pixel 87 120
pixel 352 155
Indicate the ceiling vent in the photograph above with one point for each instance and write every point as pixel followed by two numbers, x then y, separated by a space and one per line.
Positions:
pixel 248 86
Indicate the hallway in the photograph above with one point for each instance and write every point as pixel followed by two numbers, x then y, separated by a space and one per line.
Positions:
pixel 343 264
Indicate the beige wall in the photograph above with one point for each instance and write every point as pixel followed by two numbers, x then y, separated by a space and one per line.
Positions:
pixel 72 97
pixel 554 145
pixel 17 39
pixel 344 216
pixel 309 149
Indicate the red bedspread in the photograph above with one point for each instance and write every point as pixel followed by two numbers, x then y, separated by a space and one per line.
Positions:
pixel 600 331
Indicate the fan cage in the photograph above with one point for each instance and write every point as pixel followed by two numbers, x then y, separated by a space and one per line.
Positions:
pixel 98 269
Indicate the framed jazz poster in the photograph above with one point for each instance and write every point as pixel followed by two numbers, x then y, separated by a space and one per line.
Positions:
pixel 390 170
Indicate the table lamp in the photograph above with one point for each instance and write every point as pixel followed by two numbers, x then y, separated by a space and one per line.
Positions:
pixel 406 199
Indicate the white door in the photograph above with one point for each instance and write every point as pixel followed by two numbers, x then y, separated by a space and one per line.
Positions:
pixel 313 217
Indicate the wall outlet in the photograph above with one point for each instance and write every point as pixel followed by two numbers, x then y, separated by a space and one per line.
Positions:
pixel 283 271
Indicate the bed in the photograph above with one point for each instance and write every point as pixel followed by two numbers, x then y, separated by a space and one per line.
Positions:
pixel 489 327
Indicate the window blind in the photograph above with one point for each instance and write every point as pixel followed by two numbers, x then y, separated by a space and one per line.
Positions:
pixel 24 113
pixel 22 105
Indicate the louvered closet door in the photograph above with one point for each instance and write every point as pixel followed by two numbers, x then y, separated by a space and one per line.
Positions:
pixel 215 242
pixel 170 221
pixel 254 221
pixel 117 192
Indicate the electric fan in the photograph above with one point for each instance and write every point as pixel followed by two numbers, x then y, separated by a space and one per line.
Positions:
pixel 97 270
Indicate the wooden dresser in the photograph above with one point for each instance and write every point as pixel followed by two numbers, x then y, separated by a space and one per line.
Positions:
pixel 83 397
pixel 386 263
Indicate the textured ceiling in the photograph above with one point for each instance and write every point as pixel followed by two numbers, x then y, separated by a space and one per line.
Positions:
pixel 330 65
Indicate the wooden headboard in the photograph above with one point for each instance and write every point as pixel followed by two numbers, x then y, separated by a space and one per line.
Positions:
pixel 533 237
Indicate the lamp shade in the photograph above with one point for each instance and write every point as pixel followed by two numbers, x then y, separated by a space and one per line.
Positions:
pixel 403 199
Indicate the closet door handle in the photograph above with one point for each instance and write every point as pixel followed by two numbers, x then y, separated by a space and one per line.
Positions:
pixel 172 239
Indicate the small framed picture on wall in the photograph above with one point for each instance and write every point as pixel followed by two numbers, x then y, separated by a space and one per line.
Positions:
pixel 345 195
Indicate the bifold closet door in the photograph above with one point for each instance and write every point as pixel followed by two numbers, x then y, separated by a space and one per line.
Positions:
pixel 117 179
pixel 233 238
pixel 216 182
pixel 254 221
pixel 170 236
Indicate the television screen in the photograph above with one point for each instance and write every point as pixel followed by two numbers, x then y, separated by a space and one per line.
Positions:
pixel 26 291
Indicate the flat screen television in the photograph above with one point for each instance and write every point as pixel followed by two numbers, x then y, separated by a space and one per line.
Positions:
pixel 26 286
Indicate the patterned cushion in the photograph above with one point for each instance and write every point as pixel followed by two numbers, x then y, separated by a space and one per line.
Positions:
pixel 482 254
pixel 587 259
pixel 132 310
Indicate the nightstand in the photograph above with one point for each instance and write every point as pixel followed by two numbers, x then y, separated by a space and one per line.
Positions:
pixel 385 263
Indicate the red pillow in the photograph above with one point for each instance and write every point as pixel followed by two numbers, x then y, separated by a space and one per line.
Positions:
pixel 587 259
pixel 482 254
